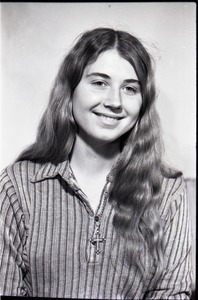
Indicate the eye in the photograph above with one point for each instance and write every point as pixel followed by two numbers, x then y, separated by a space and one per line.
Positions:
pixel 131 90
pixel 99 83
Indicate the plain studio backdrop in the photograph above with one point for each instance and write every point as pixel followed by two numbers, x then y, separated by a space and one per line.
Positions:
pixel 36 36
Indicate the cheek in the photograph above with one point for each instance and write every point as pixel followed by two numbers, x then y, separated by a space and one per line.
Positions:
pixel 76 109
pixel 76 102
pixel 134 107
pixel 81 98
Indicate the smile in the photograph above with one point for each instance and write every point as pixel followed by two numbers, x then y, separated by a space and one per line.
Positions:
pixel 108 118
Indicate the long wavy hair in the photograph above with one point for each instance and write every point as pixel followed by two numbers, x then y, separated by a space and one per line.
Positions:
pixel 136 189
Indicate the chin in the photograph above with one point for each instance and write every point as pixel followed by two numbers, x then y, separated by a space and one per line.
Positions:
pixel 107 139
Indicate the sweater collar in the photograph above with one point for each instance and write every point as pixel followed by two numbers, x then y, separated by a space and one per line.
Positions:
pixel 50 170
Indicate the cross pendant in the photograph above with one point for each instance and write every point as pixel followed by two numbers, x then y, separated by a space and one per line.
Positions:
pixel 96 241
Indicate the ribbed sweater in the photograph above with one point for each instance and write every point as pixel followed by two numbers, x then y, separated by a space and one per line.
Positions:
pixel 52 243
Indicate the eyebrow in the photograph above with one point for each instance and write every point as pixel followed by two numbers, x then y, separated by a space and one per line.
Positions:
pixel 105 76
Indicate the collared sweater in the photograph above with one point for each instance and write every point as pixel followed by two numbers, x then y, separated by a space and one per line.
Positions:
pixel 52 243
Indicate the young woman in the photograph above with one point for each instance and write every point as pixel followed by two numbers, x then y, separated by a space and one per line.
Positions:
pixel 90 210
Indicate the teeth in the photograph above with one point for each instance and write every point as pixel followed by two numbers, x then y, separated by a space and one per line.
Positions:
pixel 113 119
pixel 108 118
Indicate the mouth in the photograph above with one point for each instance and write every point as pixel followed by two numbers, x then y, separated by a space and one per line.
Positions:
pixel 108 117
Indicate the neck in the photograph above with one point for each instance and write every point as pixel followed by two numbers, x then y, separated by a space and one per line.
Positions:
pixel 98 156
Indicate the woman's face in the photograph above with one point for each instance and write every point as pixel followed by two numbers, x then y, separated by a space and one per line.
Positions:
pixel 107 100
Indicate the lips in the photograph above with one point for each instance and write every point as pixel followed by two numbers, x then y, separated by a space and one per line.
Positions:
pixel 108 116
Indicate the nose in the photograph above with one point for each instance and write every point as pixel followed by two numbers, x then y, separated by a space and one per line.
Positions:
pixel 113 99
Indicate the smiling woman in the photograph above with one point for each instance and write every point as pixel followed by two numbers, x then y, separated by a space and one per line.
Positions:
pixel 105 107
pixel 106 99
pixel 90 210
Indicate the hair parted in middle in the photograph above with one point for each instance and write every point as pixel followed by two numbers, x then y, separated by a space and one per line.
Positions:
pixel 136 188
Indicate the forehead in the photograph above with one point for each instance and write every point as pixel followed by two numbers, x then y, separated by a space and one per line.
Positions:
pixel 110 62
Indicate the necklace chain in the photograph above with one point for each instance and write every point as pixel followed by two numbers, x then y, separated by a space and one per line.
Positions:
pixel 97 239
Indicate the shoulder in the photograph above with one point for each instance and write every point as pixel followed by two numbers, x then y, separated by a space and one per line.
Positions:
pixel 173 195
pixel 18 174
pixel 24 173
pixel 15 185
pixel 171 187
pixel 18 169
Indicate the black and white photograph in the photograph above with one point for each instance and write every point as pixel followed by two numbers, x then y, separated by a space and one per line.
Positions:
pixel 98 150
